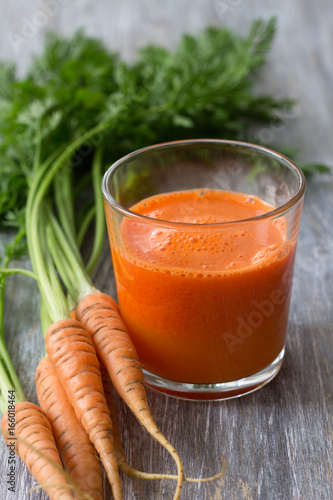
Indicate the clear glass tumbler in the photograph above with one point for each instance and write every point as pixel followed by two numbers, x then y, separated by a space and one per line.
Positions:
pixel 203 237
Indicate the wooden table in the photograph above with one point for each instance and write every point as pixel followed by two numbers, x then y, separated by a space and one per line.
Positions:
pixel 277 443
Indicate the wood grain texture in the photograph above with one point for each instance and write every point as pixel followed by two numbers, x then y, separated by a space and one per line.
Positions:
pixel 277 442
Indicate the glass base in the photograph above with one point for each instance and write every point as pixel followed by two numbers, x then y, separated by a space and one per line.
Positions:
pixel 215 392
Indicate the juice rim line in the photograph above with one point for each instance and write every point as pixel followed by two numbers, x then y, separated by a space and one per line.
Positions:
pixel 283 209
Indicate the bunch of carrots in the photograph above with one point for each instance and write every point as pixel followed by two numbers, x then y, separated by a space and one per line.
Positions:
pixel 77 95
pixel 88 350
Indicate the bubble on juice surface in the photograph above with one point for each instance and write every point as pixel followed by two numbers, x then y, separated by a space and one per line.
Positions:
pixel 159 238
pixel 259 256
pixel 272 248
pixel 283 252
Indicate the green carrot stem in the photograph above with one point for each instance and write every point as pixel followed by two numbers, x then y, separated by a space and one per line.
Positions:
pixel 64 203
pixel 99 217
pixel 8 378
pixel 77 274
pixel 84 226
pixel 60 261
pixel 39 174
pixel 18 270
pixel 45 319
pixel 42 264
pixel 72 303
pixel 2 304
pixel 58 294
pixel 5 386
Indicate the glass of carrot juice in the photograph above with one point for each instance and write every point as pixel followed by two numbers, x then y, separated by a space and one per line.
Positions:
pixel 203 237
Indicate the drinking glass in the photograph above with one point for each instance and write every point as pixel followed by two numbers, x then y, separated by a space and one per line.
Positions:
pixel 206 302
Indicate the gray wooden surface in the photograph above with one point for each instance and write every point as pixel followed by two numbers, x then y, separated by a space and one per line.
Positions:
pixel 277 443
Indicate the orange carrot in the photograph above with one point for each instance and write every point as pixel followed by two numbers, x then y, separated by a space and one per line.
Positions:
pixel 76 450
pixel 99 314
pixel 34 429
pixel 73 358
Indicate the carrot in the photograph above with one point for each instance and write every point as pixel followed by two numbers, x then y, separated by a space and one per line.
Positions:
pixel 75 448
pixel 99 314
pixel 34 429
pixel 73 358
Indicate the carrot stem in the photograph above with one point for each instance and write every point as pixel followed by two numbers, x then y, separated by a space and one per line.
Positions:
pixel 10 380
pixel 59 260
pixel 84 226
pixel 64 203
pixel 8 377
pixel 18 270
pixel 99 217
pixel 45 319
pixel 41 261
pixel 5 385
pixel 69 262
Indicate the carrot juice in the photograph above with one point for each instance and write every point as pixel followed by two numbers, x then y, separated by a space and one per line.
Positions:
pixel 204 302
